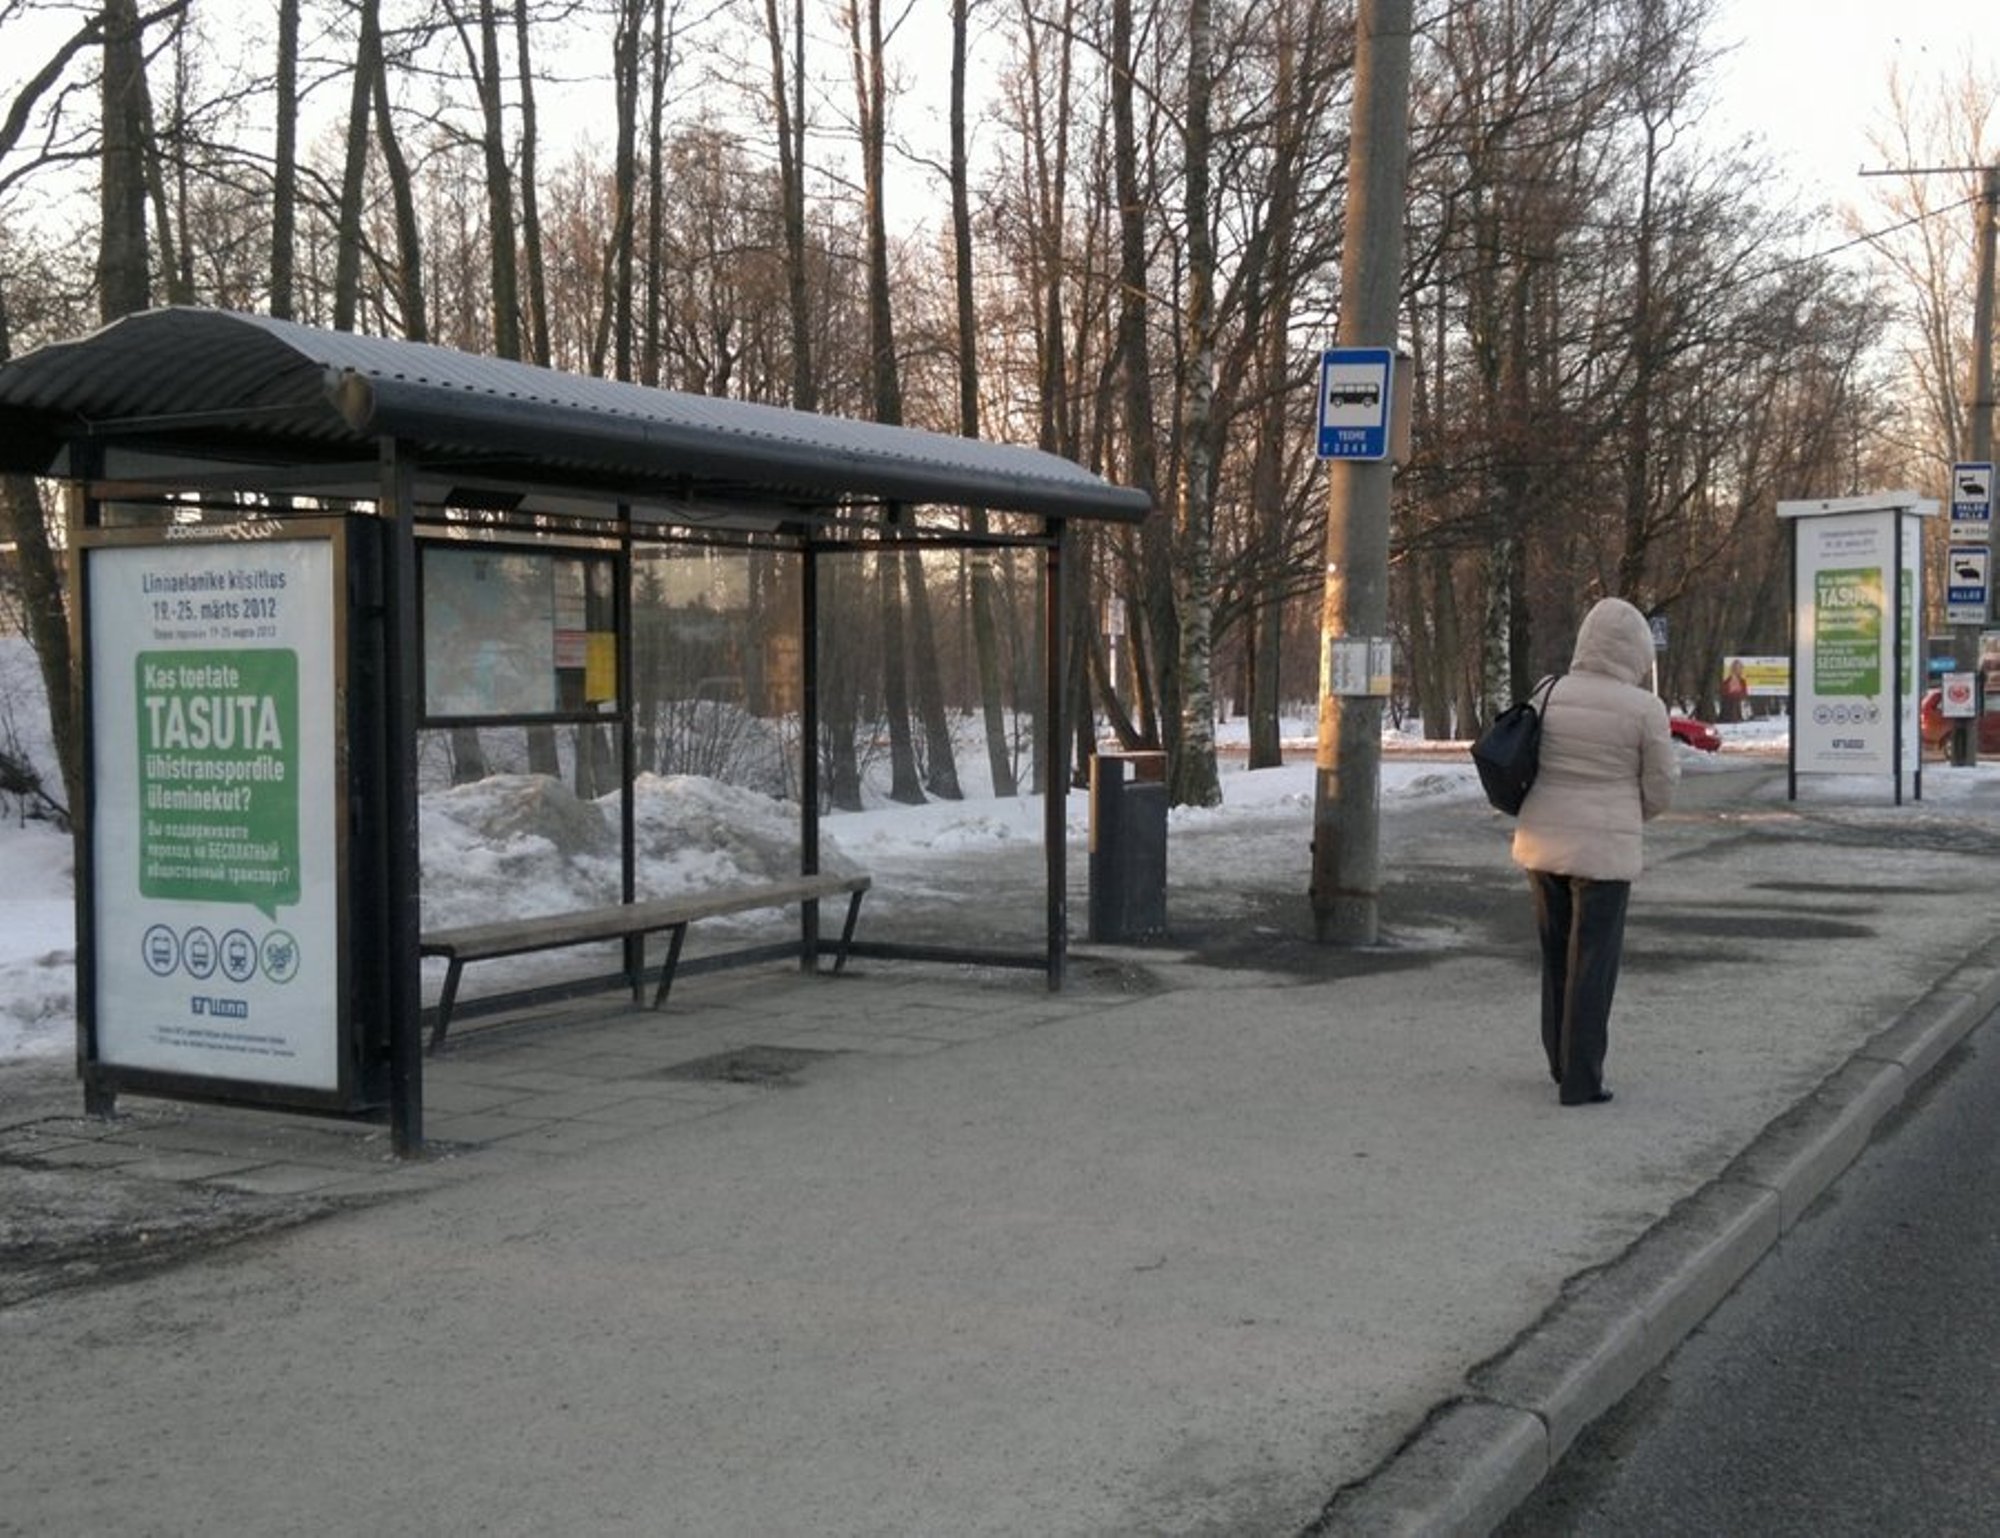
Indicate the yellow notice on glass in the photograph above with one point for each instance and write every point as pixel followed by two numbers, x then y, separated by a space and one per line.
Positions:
pixel 600 667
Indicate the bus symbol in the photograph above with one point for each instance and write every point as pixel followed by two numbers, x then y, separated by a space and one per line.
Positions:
pixel 1354 392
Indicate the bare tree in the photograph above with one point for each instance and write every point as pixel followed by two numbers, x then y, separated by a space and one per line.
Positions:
pixel 285 162
pixel 124 277
pixel 1945 122
pixel 117 32
pixel 536 298
pixel 1191 774
pixel 864 30
pixel 38 574
pixel 1133 196
pixel 354 167
pixel 479 40
pixel 985 637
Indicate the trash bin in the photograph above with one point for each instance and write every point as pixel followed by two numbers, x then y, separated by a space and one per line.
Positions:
pixel 1128 847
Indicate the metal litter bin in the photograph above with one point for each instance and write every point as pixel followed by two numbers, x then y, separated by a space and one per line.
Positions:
pixel 1128 847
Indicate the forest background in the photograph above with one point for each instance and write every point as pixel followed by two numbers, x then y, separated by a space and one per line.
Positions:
pixel 1110 228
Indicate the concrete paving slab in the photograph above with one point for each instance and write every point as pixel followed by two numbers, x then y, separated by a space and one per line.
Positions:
pixel 1234 1236
pixel 279 1179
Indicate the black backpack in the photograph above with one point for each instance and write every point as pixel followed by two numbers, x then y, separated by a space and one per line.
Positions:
pixel 1509 751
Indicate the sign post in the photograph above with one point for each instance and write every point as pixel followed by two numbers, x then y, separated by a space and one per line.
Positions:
pixel 1968 597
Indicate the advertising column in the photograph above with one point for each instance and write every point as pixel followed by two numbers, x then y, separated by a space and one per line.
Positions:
pixel 215 798
pixel 1856 616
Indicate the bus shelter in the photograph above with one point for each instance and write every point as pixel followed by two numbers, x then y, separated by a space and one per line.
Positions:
pixel 297 556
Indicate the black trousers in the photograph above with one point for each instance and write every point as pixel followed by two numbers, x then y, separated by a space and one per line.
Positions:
pixel 1582 928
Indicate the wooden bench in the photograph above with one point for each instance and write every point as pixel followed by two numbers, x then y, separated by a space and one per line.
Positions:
pixel 623 921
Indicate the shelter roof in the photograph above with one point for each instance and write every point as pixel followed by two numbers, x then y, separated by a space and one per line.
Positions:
pixel 216 399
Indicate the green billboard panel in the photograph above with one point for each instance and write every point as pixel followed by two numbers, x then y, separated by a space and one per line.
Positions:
pixel 218 735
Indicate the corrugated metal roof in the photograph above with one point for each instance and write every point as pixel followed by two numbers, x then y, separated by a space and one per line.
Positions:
pixel 222 386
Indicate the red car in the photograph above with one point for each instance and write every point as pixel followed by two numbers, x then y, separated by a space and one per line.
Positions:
pixel 1696 734
pixel 1935 727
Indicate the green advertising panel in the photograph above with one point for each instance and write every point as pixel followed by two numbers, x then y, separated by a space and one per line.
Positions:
pixel 1848 635
pixel 219 776
pixel 1858 673
pixel 216 789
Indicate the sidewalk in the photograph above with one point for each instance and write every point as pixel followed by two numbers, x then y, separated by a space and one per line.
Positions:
pixel 1217 1236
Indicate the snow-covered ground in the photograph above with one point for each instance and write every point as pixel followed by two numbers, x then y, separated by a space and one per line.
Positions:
pixel 514 844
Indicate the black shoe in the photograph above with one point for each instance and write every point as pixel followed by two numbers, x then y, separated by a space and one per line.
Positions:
pixel 1596 1097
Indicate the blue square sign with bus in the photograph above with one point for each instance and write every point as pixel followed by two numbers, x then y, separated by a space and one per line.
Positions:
pixel 1971 499
pixel 1966 569
pixel 1354 398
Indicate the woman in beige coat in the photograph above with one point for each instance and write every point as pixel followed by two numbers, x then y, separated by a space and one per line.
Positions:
pixel 1607 765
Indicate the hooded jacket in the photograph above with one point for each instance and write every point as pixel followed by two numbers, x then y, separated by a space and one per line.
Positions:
pixel 1607 758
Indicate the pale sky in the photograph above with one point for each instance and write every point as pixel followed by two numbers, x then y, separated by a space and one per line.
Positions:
pixel 1811 76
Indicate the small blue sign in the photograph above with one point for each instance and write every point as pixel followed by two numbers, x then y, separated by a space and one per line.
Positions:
pixel 1354 398
pixel 1966 568
pixel 1971 498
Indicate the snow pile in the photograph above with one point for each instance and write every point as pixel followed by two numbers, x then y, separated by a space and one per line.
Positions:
pixel 695 833
pixel 515 845
pixel 511 845
pixel 37 941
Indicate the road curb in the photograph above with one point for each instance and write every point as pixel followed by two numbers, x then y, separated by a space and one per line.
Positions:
pixel 1477 1458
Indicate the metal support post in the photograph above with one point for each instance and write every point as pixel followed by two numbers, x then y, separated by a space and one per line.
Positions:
pixel 403 669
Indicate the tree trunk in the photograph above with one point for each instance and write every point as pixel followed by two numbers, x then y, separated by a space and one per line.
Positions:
pixel 789 118
pixel 485 68
pixel 39 573
pixel 870 91
pixel 842 587
pixel 616 326
pixel 940 751
pixel 124 283
pixel 285 164
pixel 985 640
pixel 176 278
pixel 1193 780
pixel 1265 623
pixel 409 233
pixel 656 201
pixel 536 297
pixel 354 172
pixel 839 678
pixel 1153 627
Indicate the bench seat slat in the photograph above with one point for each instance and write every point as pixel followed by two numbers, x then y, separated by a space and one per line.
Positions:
pixel 513 937
pixel 506 937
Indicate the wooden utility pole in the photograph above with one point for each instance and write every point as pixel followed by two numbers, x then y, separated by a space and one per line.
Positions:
pixel 1981 425
pixel 1346 863
pixel 1979 421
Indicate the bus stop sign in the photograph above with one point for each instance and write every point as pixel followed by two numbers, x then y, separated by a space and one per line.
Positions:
pixel 1354 397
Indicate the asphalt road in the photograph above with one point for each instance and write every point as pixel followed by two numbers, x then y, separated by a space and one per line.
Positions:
pixel 1848 1386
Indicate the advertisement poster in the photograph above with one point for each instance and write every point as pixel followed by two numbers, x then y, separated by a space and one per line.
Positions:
pixel 1763 678
pixel 214 799
pixel 1857 581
